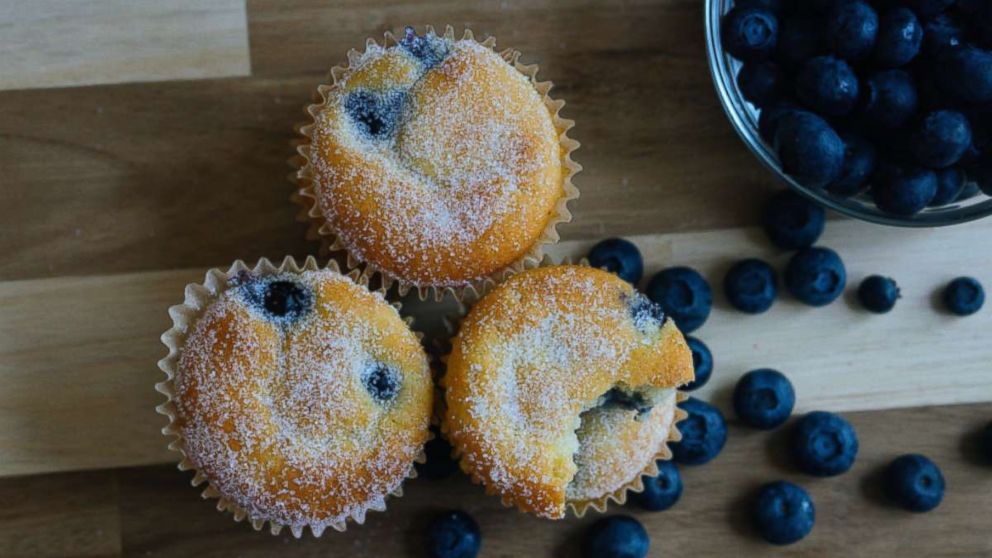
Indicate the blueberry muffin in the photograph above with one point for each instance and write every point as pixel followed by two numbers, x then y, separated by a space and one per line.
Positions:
pixel 301 397
pixel 560 389
pixel 436 162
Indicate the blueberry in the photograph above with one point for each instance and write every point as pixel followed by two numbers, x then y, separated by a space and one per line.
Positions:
pixel 375 115
pixel 619 256
pixel 783 513
pixel 964 296
pixel 815 276
pixel 382 382
pixel 616 536
pixel 683 294
pixel 950 184
pixel 662 491
pixel 799 39
pixel 889 98
pixel 453 534
pixel 859 164
pixel 985 442
pixel 941 138
pixel 900 36
pixel 828 85
pixel 851 28
pixel 630 401
pixel 904 190
pixel 824 444
pixel 702 363
pixel 770 116
pixel 647 315
pixel 964 74
pixel 428 49
pixel 703 434
pixel 940 32
pixel 749 33
pixel 791 221
pixel 439 463
pixel 764 398
pixel 280 300
pixel 751 286
pixel 809 149
pixel 878 294
pixel 761 82
pixel 915 483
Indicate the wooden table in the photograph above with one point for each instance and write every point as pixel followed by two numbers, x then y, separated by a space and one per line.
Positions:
pixel 142 142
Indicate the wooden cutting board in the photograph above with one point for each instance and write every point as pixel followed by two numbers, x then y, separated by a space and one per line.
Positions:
pixel 141 144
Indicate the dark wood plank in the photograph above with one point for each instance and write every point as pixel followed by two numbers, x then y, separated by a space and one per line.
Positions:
pixel 185 174
pixel 162 516
pixel 67 515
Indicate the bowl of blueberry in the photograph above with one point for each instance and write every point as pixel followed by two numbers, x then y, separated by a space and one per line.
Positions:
pixel 878 109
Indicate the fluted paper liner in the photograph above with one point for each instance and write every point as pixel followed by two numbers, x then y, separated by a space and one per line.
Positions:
pixel 198 297
pixel 321 229
pixel 577 508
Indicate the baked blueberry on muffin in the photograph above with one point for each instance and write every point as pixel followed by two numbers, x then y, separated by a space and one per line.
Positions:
pixel 560 389
pixel 437 162
pixel 301 397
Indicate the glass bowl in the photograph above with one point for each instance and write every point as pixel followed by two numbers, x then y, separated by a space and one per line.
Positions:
pixel 744 118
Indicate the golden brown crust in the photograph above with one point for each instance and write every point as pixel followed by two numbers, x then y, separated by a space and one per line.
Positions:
pixel 530 357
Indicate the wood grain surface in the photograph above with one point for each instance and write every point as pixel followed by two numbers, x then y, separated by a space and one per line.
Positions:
pixel 115 195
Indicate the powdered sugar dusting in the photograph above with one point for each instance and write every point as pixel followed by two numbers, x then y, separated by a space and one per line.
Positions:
pixel 275 414
pixel 466 184
pixel 529 359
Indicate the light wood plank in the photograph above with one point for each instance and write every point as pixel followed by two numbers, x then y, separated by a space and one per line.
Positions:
pixel 59 43
pixel 77 355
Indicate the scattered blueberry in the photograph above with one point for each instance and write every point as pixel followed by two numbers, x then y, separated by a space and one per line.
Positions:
pixel 904 190
pixel 824 444
pixel 889 98
pixel 815 276
pixel 428 49
pixel 382 382
pixel 828 85
pixel 619 256
pixel 453 534
pixel 851 28
pixel 859 164
pixel 965 74
pixel 704 433
pixel 749 33
pixel 799 39
pixel 629 400
pixel 375 115
pixel 964 296
pixel 792 221
pixel 914 482
pixel 941 138
pixel 439 463
pixel 940 32
pixel 647 315
pixel 808 148
pixel 783 513
pixel 616 536
pixel 751 286
pixel 281 300
pixel 950 184
pixel 764 398
pixel 702 363
pixel 899 37
pixel 683 294
pixel 878 294
pixel 662 491
pixel 761 82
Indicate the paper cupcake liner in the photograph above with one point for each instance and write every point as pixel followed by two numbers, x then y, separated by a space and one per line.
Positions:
pixel 198 296
pixel 321 229
pixel 577 508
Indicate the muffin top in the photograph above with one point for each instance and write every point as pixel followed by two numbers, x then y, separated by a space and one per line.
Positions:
pixel 303 398
pixel 536 353
pixel 436 161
